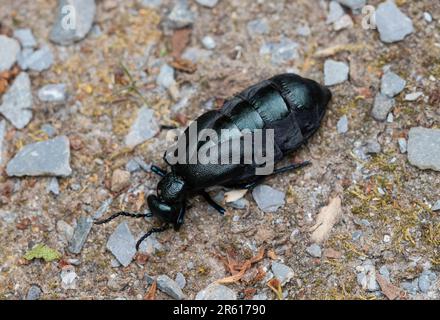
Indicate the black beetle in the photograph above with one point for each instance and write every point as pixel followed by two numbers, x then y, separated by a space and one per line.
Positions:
pixel 290 105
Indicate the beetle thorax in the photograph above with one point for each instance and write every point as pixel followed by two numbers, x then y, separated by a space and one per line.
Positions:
pixel 171 188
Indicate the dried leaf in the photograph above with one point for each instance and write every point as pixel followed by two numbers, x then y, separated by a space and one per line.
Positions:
pixel 327 217
pixel 179 41
pixel 237 276
pixel 271 254
pixel 235 195
pixel 324 53
pixel 183 65
pixel 151 294
pixel 331 253
pixel 249 293
pixel 275 285
pixel 41 251
pixel 389 290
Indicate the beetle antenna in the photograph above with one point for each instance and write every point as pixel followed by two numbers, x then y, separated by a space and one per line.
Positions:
pixel 149 233
pixel 126 214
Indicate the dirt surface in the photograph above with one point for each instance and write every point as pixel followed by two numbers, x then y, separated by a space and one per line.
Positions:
pixel 384 189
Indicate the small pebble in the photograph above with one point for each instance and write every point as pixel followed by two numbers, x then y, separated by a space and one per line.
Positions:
pixel 208 42
pixel 180 16
pixel 45 158
pixel 402 145
pixel 103 208
pixel 17 102
pixel 122 244
pixel 65 230
pixel 48 129
pixel 39 60
pixel 68 278
pixel 281 52
pixel 384 272
pixel 132 166
pixel 355 236
pixel 166 76
pixel 367 277
pixel 390 118
pixel 424 148
pixel 82 230
pixel 180 280
pixel 10 49
pixel 382 106
pixel 267 198
pixel 373 147
pixel 207 3
pixel 303 31
pixel 144 127
pixel 314 250
pixel 343 23
pixel 427 16
pixel 413 96
pixel 342 125
pixel 34 293
pixel 392 24
pixel 150 245
pixel 335 12
pixel 53 93
pixel 53 186
pixel 282 272
pixel 426 280
pixel 353 4
pixel 258 26
pixel 120 180
pixel 436 206
pixel 335 72
pixel 25 37
pixel 167 285
pixel 392 84
pixel 387 238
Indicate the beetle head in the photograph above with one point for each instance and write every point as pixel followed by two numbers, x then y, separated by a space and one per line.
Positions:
pixel 169 204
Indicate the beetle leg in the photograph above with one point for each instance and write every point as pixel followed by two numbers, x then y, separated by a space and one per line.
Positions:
pixel 291 167
pixel 158 171
pixel 149 233
pixel 212 203
pixel 167 127
pixel 126 214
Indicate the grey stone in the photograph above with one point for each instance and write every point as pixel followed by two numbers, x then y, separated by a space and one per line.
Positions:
pixel 267 198
pixel 132 166
pixel 46 158
pixel 382 106
pixel 103 208
pixel 392 24
pixel 144 127
pixel 385 273
pixel 207 3
pixel 335 12
pixel 208 42
pixel 258 26
pixel 216 292
pixel 7 216
pixel 17 102
pixel 281 52
pixel 65 230
pixel 353 4
pixel 314 250
pixel 413 96
pixel 427 16
pixel 355 236
pixel 68 278
pixel 367 277
pixel 48 129
pixel 10 48
pixel 23 56
pixel 402 145
pixel 53 186
pixel 373 147
pixel 166 76
pixel 39 60
pixel 34 293
pixel 239 204
pixel 151 3
pixel 392 84
pixel 82 230
pixel 260 296
pixel 181 16
pixel 303 31
pixel 53 93
pixel 390 117
pixel 180 280
pixel 282 272
pixel 114 263
pixel 64 30
pixel 342 125
pixel 335 72
pixel 411 287
pixel 167 285
pixel 122 244
pixel 2 139
pixel 25 37
pixel 424 148
pixel 436 206
pixel 343 23
pixel 426 280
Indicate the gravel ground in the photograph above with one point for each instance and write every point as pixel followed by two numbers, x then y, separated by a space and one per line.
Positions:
pixel 385 237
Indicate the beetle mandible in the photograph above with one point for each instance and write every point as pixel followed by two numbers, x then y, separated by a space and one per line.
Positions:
pixel 288 104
